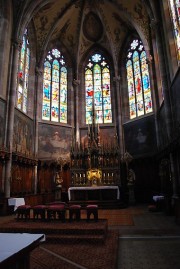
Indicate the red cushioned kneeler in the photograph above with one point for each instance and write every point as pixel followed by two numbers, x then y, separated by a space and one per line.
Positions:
pixel 74 211
pixel 23 212
pixel 92 209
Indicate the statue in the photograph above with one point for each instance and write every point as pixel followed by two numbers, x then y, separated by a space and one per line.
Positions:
pixel 131 177
pixel 130 182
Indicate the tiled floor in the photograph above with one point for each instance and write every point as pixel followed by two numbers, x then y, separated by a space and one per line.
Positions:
pixel 153 242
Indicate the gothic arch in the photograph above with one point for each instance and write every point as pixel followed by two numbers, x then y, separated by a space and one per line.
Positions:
pixel 93 50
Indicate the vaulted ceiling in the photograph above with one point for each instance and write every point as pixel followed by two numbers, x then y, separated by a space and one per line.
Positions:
pixel 79 24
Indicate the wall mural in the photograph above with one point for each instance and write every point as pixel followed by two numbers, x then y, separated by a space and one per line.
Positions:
pixel 2 119
pixel 140 137
pixel 54 142
pixel 23 135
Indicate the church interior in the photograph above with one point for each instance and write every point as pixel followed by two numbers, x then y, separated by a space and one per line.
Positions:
pixel 89 106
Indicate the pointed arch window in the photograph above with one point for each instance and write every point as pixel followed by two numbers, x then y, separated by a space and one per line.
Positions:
pixel 139 89
pixel 54 106
pixel 23 74
pixel 98 90
pixel 175 15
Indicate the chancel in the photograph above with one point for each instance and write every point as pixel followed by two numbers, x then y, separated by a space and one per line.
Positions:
pixel 89 109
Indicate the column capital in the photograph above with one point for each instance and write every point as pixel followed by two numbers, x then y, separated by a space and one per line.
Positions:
pixel 38 71
pixel 117 79
pixel 17 43
pixel 76 82
pixel 149 59
pixel 154 24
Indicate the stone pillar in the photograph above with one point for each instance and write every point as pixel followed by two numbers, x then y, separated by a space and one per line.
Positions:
pixel 167 104
pixel 16 46
pixel 118 105
pixel 167 101
pixel 76 83
pixel 38 85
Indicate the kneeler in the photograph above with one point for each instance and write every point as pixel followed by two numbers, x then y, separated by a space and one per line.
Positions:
pixel 23 212
pixel 92 209
pixel 56 211
pixel 74 211
pixel 39 211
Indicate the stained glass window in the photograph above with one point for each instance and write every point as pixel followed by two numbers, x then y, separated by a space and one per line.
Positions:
pixel 139 90
pixel 23 74
pixel 175 14
pixel 55 88
pixel 98 90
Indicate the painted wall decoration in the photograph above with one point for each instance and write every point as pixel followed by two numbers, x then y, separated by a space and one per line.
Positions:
pixel 92 27
pixel 23 134
pixel 54 142
pixel 2 120
pixel 140 137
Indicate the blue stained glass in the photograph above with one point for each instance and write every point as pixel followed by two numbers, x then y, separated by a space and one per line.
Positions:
pixel 96 58
pixel 146 81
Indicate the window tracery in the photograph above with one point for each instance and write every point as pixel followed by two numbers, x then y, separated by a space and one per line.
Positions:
pixel 139 89
pixel 98 90
pixel 55 88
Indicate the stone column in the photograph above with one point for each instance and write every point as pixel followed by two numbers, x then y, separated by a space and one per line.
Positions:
pixel 118 105
pixel 37 102
pixel 76 83
pixel 165 89
pixel 16 46
pixel 167 102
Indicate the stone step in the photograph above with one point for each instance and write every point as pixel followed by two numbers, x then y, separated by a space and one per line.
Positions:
pixel 65 238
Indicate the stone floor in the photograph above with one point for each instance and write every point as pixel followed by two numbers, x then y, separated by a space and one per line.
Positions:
pixel 153 242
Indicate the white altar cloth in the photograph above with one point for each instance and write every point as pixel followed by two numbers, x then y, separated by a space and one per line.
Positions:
pixel 93 188
pixel 158 197
pixel 16 202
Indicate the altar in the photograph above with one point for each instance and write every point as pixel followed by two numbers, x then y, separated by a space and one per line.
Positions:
pixel 99 193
